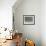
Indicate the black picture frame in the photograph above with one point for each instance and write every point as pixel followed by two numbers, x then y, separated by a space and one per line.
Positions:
pixel 28 19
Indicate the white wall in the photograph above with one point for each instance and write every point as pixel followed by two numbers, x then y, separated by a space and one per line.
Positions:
pixel 6 13
pixel 43 22
pixel 36 32
pixel 29 7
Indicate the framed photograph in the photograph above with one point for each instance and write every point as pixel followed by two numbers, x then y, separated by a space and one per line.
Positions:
pixel 28 19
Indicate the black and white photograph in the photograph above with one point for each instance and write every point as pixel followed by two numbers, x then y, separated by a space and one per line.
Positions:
pixel 29 19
